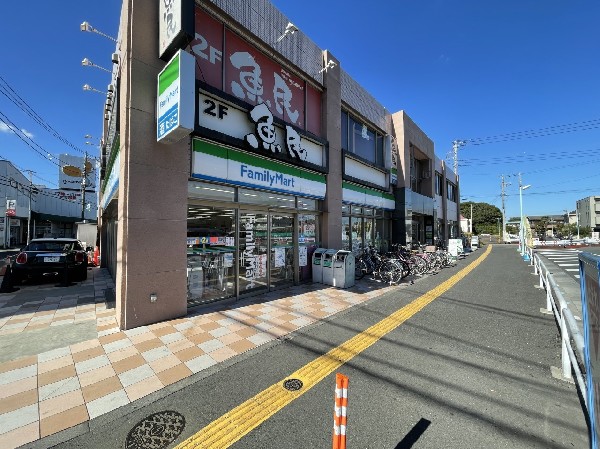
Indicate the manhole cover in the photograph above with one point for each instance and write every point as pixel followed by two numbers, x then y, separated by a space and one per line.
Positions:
pixel 292 384
pixel 156 431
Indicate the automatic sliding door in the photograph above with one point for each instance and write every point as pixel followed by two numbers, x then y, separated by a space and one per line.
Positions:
pixel 282 250
pixel 253 244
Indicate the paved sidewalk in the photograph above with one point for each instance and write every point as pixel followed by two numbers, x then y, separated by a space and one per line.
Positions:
pixel 63 360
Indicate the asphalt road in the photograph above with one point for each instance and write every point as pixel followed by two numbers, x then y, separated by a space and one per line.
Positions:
pixel 469 370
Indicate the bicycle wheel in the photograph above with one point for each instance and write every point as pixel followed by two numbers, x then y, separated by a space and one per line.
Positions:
pixel 360 269
pixel 387 271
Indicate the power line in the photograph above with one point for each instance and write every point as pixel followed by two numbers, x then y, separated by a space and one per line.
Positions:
pixel 25 138
pixel 533 133
pixel 16 99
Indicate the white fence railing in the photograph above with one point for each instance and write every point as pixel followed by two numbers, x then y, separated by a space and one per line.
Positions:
pixel 572 361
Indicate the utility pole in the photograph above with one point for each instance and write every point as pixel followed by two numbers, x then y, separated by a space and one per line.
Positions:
pixel 29 211
pixel 456 144
pixel 503 194
pixel 83 185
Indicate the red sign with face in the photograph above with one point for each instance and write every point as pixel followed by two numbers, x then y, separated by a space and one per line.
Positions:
pixel 251 76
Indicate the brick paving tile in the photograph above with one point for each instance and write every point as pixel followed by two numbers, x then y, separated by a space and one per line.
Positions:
pixel 16 401
pixel 164 330
pixel 148 345
pixel 164 363
pixel 189 353
pixel 129 363
pixel 96 375
pixel 18 386
pixel 60 403
pixel 22 435
pixel 18 363
pixel 55 375
pixel 111 338
pixel 174 374
pixel 101 388
pixel 241 346
pixel 143 388
pixel 64 420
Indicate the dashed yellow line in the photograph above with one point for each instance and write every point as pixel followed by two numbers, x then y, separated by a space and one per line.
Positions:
pixel 236 423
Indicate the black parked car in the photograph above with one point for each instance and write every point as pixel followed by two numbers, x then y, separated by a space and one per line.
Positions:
pixel 49 257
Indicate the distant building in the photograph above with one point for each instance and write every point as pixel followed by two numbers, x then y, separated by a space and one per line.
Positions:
pixel 53 211
pixel 588 213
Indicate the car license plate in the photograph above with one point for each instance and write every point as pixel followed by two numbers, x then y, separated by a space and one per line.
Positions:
pixel 51 259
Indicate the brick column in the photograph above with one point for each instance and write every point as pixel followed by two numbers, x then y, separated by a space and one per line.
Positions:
pixel 152 203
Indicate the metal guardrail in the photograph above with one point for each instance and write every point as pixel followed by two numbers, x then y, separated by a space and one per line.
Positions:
pixel 569 330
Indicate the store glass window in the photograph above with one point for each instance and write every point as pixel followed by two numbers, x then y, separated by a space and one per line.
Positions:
pixel 266 198
pixel 308 241
pixel 210 254
pixel 369 232
pixel 357 234
pixel 382 235
pixel 357 210
pixel 345 209
pixel 361 140
pixel 307 204
pixel 345 131
pixel 346 233
pixel 202 190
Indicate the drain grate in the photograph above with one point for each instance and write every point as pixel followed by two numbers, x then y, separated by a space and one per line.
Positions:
pixel 292 384
pixel 156 431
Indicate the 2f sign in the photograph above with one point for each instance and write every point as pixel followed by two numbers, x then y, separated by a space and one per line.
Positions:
pixel 213 55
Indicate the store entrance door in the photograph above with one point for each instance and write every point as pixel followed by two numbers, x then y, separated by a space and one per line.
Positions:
pixel 282 250
pixel 254 251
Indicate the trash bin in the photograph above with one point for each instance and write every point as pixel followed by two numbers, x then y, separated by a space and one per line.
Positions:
pixel 343 269
pixel 317 268
pixel 327 266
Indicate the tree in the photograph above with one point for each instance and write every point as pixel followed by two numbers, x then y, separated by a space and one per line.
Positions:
pixel 540 227
pixel 485 216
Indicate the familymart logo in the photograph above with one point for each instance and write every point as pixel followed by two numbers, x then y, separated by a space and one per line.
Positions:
pixel 273 179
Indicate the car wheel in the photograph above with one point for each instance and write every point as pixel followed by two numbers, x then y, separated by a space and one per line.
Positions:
pixel 82 274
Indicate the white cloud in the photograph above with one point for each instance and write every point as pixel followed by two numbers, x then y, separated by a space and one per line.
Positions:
pixel 4 128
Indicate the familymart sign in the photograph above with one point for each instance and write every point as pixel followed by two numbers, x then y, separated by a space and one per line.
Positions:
pixel 175 99
pixel 217 163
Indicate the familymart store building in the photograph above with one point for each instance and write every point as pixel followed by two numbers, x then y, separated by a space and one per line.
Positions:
pixel 223 183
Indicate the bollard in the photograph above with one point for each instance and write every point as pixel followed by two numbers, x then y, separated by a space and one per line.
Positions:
pixel 340 409
pixel 8 282
pixel 64 279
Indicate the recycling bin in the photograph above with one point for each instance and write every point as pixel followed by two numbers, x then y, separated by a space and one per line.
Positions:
pixel 343 269
pixel 317 268
pixel 327 266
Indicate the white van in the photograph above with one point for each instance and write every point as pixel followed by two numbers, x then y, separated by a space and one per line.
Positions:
pixel 474 242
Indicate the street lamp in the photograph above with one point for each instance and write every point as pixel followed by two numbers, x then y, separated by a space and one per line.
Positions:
pixel 91 89
pixel 87 62
pixel 85 26
pixel 521 226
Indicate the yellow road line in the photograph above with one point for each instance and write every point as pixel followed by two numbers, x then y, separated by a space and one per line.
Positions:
pixel 236 423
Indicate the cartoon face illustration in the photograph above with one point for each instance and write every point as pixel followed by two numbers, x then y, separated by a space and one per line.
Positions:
pixel 266 131
pixel 293 144
pixel 250 84
pixel 265 135
pixel 283 97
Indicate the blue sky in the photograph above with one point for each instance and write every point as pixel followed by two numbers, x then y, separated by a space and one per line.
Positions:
pixel 518 80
